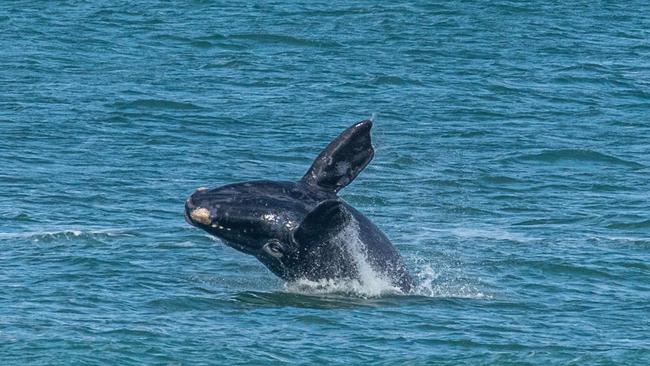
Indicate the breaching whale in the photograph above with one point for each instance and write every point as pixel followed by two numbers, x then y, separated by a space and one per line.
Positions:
pixel 303 230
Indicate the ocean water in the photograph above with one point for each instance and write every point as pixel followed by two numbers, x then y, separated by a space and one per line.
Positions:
pixel 512 172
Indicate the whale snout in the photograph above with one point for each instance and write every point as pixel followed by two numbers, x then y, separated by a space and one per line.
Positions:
pixel 195 213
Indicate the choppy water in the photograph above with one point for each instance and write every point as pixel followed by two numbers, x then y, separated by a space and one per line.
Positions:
pixel 511 171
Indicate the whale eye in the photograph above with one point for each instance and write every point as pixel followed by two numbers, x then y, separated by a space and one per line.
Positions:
pixel 274 248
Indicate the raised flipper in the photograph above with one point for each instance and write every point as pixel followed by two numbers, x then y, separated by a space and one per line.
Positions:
pixel 342 160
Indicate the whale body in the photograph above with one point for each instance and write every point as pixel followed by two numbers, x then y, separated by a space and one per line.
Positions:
pixel 302 229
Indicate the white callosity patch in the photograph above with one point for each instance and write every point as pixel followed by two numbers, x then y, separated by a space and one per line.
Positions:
pixel 201 215
pixel 269 217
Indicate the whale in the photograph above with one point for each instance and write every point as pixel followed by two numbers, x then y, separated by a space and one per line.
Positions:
pixel 302 230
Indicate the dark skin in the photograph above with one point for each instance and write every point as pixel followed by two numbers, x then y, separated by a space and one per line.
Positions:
pixel 302 229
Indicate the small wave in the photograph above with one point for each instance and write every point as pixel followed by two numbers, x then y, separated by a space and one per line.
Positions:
pixel 581 155
pixel 284 39
pixel 183 303
pixel 66 234
pixel 156 104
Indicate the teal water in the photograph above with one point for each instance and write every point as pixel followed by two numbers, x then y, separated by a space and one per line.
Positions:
pixel 511 171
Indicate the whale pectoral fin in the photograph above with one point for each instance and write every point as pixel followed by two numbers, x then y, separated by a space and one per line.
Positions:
pixel 322 223
pixel 343 159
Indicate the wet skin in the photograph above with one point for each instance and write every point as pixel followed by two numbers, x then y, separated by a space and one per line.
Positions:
pixel 303 229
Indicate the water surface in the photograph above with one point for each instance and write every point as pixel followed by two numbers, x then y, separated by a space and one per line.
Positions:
pixel 511 171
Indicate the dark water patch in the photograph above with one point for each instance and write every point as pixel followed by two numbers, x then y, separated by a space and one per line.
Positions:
pixel 394 80
pixel 321 301
pixel 212 37
pixel 183 303
pixel 439 182
pixel 11 106
pixel 551 221
pixel 639 225
pixel 466 133
pixel 500 180
pixel 23 217
pixel 206 42
pixel 611 188
pixel 130 332
pixel 345 12
pixel 171 38
pixel 201 44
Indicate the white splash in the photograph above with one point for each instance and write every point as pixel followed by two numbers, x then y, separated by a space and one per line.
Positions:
pixel 445 283
pixel 370 283
pixel 436 279
pixel 64 233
